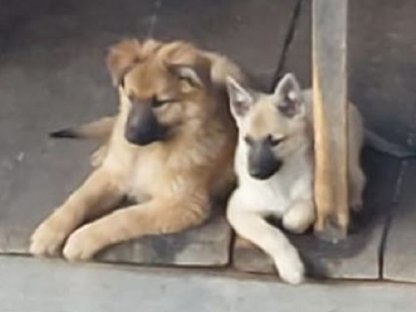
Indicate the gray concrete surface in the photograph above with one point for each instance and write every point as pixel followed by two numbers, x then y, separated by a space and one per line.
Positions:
pixel 381 65
pixel 45 286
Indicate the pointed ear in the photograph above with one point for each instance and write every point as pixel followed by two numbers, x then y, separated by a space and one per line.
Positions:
pixel 240 99
pixel 289 96
pixel 121 57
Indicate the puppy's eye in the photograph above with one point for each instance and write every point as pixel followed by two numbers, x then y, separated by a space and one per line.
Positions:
pixel 159 102
pixel 248 140
pixel 274 141
pixel 187 80
pixel 131 98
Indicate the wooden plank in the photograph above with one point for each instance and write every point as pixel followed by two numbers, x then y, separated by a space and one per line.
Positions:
pixel 207 245
pixel 400 246
pixel 329 32
pixel 356 257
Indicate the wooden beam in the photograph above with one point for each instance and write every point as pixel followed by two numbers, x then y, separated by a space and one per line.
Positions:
pixel 329 36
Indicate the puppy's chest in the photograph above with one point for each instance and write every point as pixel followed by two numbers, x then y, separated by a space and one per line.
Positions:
pixel 273 196
pixel 276 194
pixel 144 176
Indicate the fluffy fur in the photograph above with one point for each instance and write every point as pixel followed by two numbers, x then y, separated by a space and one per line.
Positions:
pixel 173 177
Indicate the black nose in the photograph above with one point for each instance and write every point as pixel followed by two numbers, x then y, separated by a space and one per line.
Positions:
pixel 141 136
pixel 144 133
pixel 142 127
pixel 264 170
pixel 262 162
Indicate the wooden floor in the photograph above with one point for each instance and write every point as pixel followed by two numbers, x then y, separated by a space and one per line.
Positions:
pixel 53 75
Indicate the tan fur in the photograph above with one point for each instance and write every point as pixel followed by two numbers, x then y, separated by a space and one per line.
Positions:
pixel 99 129
pixel 171 180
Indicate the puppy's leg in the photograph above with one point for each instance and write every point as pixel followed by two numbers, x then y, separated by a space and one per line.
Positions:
pixel 300 216
pixel 98 193
pixel 356 184
pixel 157 216
pixel 253 227
pixel 356 177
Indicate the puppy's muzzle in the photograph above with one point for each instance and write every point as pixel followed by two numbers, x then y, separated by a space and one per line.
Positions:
pixel 262 163
pixel 142 126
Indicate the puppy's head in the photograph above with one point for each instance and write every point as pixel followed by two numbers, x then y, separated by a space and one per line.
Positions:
pixel 271 126
pixel 162 86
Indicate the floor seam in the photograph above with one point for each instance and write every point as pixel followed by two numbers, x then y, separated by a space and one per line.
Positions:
pixel 390 217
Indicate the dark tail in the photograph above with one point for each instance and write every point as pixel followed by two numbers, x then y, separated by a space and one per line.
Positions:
pixel 380 144
pixel 69 133
pixel 98 130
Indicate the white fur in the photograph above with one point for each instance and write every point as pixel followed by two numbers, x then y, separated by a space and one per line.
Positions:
pixel 288 195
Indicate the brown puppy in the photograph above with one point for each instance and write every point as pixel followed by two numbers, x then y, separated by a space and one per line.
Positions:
pixel 171 146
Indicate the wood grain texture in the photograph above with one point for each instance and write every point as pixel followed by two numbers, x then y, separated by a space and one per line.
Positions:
pixel 330 88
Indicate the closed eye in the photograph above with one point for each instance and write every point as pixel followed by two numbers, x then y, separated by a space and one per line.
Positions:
pixel 273 141
pixel 160 102
pixel 249 140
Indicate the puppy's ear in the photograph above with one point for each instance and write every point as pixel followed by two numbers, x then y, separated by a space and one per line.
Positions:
pixel 121 57
pixel 289 96
pixel 240 99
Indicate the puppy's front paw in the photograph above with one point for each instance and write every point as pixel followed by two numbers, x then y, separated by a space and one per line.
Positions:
pixel 47 239
pixel 299 217
pixel 290 268
pixel 81 245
